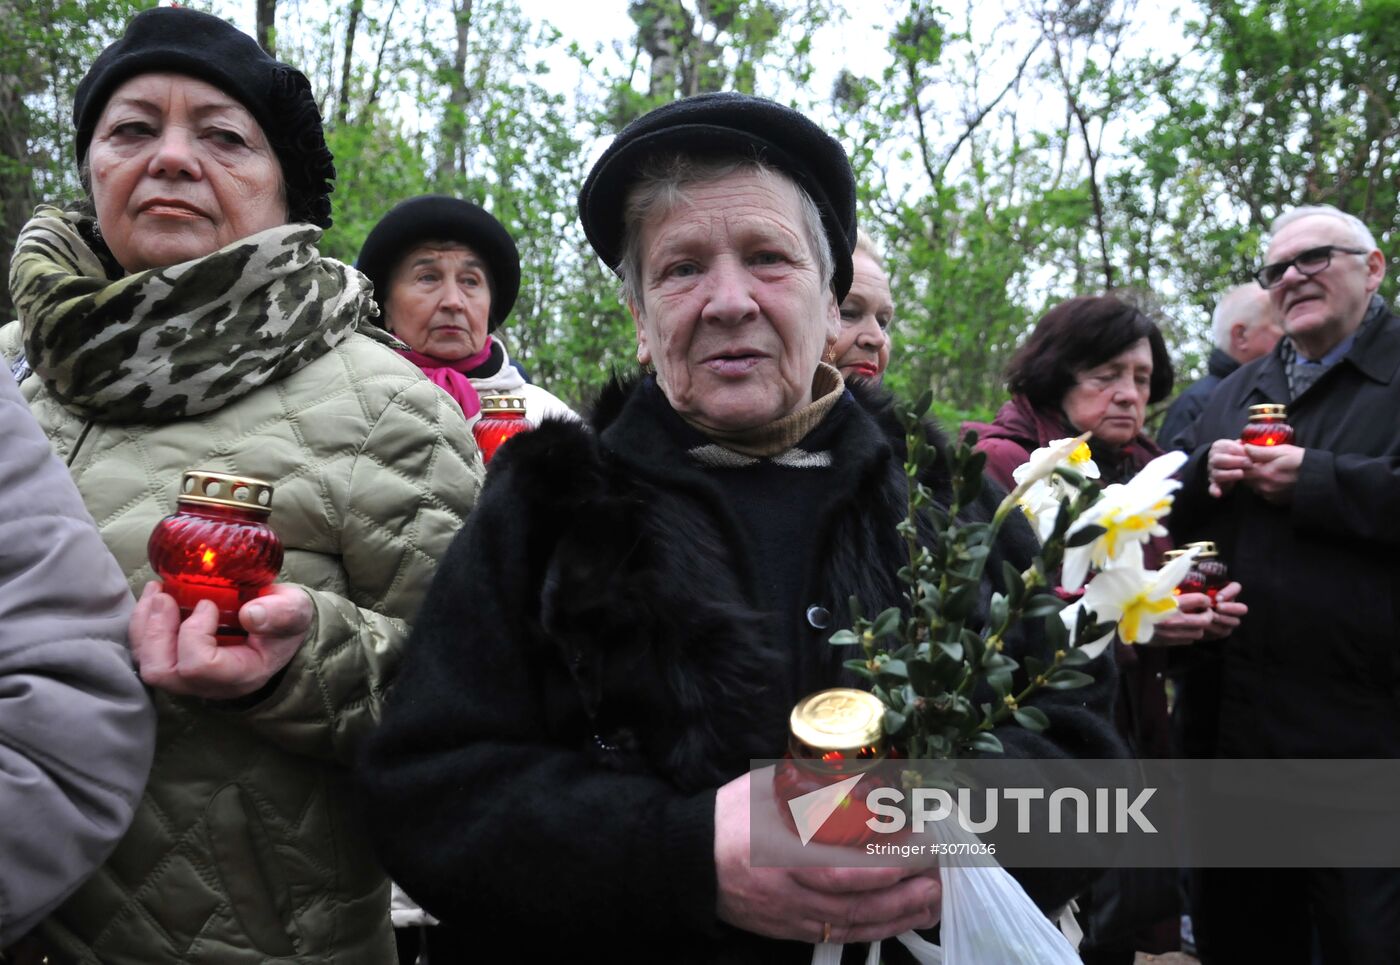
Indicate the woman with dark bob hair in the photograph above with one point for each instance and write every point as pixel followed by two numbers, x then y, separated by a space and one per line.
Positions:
pixel 632 612
pixel 1093 364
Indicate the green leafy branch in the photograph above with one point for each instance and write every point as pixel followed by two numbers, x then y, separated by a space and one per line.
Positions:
pixel 922 659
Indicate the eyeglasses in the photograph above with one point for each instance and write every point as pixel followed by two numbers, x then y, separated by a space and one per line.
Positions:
pixel 1308 262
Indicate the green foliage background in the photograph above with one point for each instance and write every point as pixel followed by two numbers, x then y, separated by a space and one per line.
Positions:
pixel 1009 154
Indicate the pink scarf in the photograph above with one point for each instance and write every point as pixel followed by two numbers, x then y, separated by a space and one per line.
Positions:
pixel 449 376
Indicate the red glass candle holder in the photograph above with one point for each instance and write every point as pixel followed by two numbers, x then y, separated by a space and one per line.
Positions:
pixel 217 546
pixel 834 735
pixel 1267 426
pixel 502 416
pixel 1209 568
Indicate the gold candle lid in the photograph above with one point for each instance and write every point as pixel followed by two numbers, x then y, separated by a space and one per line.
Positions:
pixel 1268 410
pixel 222 489
pixel 503 403
pixel 840 719
pixel 1206 547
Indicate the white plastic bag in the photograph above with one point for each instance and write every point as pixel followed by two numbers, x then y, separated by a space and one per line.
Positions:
pixel 988 919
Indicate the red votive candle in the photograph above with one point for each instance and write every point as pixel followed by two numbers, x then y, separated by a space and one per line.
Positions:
pixel 1267 426
pixel 833 735
pixel 217 546
pixel 502 416
pixel 1210 568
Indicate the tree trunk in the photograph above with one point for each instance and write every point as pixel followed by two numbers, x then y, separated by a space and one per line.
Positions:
pixel 342 107
pixel 454 122
pixel 267 25
pixel 665 30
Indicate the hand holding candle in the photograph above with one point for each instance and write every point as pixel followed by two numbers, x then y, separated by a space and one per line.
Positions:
pixel 186 657
pixel 1228 612
pixel 1226 465
pixel 1273 471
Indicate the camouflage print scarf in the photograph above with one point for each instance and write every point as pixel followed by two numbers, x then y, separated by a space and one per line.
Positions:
pixel 166 343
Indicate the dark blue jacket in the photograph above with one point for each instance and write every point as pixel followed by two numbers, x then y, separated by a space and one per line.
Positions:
pixel 1176 431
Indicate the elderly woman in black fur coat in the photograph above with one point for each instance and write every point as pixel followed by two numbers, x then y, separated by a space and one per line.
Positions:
pixel 633 610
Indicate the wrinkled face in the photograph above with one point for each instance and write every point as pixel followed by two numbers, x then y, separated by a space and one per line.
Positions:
pixel 862 347
pixel 1110 400
pixel 734 315
pixel 179 170
pixel 1318 311
pixel 439 301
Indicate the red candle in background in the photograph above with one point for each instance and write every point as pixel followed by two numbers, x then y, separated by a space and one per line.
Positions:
pixel 833 735
pixel 1211 570
pixel 217 546
pixel 1267 426
pixel 502 416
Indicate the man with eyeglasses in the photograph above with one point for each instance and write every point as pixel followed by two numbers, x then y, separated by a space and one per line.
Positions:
pixel 1312 531
pixel 1245 327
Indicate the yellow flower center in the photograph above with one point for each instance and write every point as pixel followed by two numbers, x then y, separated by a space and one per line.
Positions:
pixel 1080 455
pixel 1126 527
pixel 1136 610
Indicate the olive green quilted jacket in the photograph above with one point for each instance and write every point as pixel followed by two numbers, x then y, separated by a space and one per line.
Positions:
pixel 246 847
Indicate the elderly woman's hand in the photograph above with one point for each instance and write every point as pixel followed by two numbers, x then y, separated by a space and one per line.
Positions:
pixel 812 904
pixel 1227 612
pixel 185 658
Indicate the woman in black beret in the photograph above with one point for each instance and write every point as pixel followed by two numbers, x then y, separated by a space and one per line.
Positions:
pixel 446 275
pixel 184 319
pixel 634 609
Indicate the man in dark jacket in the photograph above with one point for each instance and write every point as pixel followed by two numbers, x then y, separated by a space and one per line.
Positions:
pixel 1312 531
pixel 1245 327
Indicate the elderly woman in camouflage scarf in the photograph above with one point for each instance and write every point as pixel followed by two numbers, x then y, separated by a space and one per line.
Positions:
pixel 189 322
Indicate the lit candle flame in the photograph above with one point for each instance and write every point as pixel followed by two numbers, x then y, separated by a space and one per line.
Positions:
pixel 207 558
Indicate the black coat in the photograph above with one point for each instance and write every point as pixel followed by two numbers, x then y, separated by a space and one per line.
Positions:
pixel 589 668
pixel 1314 669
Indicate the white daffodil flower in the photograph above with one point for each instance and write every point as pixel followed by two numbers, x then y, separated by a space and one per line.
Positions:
pixel 1130 512
pixel 1073 453
pixel 1041 505
pixel 1134 598
pixel 1043 490
pixel 1040 465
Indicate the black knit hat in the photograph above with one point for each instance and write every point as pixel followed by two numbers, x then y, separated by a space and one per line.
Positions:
pixel 725 124
pixel 181 41
pixel 439 217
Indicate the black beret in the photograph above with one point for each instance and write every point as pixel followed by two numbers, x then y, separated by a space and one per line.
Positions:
pixel 181 41
pixel 725 124
pixel 439 217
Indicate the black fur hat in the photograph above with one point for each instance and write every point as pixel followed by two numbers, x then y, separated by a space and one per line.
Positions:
pixel 725 123
pixel 439 217
pixel 181 41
